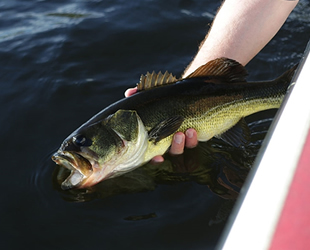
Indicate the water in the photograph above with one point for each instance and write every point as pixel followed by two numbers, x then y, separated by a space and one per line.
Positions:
pixel 62 62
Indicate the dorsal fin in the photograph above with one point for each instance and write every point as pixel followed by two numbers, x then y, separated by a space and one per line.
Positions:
pixel 154 80
pixel 223 68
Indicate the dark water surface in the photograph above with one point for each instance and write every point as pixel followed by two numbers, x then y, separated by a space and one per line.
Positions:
pixel 62 62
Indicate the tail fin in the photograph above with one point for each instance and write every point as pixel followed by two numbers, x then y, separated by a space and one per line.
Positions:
pixel 288 75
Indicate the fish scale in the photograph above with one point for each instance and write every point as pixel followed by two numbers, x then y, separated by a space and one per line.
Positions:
pixel 213 100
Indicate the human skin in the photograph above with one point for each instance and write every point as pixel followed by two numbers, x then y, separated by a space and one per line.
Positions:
pixel 239 31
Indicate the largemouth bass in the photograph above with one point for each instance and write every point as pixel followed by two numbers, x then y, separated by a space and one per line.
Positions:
pixel 125 135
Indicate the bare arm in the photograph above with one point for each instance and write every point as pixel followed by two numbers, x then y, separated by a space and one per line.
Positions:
pixel 241 29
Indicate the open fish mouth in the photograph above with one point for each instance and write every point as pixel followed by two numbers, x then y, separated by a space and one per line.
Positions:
pixel 79 166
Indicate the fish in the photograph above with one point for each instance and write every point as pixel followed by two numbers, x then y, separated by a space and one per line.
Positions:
pixel 213 100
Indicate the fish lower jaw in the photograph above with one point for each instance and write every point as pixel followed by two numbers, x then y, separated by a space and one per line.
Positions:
pixel 91 180
pixel 73 180
pixel 81 168
pixel 78 180
pixel 101 173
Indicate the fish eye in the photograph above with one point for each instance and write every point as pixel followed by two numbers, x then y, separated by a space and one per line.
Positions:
pixel 81 140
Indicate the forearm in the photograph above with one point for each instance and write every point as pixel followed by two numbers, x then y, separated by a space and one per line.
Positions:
pixel 241 29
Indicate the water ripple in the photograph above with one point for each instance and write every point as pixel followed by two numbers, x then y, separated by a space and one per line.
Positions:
pixel 29 23
pixel 40 180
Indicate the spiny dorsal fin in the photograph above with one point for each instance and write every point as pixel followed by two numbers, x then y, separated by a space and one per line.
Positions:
pixel 224 68
pixel 153 80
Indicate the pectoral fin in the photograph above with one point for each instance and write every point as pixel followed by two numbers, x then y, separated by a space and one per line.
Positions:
pixel 165 128
pixel 238 136
pixel 124 123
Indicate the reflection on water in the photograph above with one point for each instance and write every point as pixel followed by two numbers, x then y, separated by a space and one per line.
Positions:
pixel 219 166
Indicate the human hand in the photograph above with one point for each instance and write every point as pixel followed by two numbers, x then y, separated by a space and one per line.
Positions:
pixel 130 91
pixel 189 139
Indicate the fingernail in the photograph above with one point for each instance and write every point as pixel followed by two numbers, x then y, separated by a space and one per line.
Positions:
pixel 189 133
pixel 126 94
pixel 178 138
pixel 157 159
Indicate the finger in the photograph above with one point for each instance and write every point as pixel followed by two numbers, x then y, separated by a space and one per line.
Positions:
pixel 130 91
pixel 178 142
pixel 191 138
pixel 157 159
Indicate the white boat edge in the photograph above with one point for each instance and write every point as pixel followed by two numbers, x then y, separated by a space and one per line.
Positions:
pixel 254 219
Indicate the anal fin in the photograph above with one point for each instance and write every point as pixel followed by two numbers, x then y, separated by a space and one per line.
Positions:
pixel 237 136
